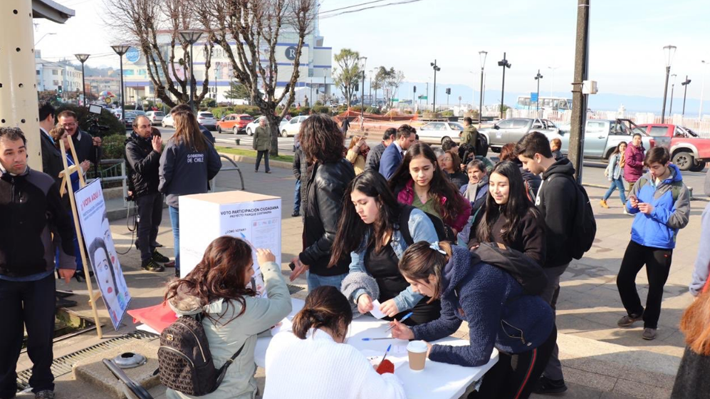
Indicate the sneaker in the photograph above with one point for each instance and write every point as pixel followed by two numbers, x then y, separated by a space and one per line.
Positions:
pixel 268 171
pixel 295 214
pixel 46 394
pixel 170 264
pixel 628 320
pixel 649 334
pixel 547 386
pixel 604 204
pixel 151 266
pixel 158 257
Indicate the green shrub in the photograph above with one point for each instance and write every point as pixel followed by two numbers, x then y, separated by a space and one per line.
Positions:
pixel 373 110
pixel 105 119
pixel 321 109
pixel 219 112
pixel 447 113
pixel 208 102
pixel 114 146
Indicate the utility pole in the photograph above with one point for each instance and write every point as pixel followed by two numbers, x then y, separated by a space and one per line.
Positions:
pixel 579 99
pixel 538 77
pixel 505 64
pixel 670 111
pixel 436 69
pixel 685 91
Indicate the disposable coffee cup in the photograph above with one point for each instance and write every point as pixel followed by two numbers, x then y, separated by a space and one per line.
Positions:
pixel 417 355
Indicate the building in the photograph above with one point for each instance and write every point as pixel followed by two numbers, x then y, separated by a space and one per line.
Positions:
pixel 98 84
pixel 56 76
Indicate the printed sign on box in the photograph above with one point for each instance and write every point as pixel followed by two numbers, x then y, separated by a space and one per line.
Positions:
pixel 255 218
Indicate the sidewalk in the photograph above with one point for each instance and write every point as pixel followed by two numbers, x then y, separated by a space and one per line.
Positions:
pixel 600 360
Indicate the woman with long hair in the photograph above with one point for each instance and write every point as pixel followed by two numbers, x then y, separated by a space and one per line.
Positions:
pixel 187 164
pixel 510 218
pixel 451 164
pixel 532 181
pixel 370 230
pixel 420 182
pixel 498 312
pixel 317 345
pixel 614 172
pixel 692 381
pixel 217 288
pixel 357 153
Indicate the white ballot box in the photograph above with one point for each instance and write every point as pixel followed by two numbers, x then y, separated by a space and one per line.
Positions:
pixel 255 218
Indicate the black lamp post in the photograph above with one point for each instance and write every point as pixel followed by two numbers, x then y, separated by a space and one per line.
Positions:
pixel 436 69
pixel 82 58
pixel 482 55
pixel 686 83
pixel 670 52
pixel 505 64
pixel 191 37
pixel 670 111
pixel 363 64
pixel 538 77
pixel 121 49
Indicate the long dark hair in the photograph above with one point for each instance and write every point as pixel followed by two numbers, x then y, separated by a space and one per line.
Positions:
pixel 513 211
pixel 187 132
pixel 321 139
pixel 325 307
pixel 439 187
pixel 618 147
pixel 420 261
pixel 351 228
pixel 220 274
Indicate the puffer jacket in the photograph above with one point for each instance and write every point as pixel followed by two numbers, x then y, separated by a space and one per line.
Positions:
pixel 659 229
pixel 633 168
pixel 262 139
pixel 405 195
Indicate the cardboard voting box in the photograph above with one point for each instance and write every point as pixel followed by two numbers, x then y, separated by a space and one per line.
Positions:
pixel 255 218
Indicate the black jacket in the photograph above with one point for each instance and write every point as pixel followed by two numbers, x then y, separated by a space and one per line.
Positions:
pixel 556 200
pixel 143 163
pixel 322 206
pixel 84 147
pixel 51 158
pixel 528 236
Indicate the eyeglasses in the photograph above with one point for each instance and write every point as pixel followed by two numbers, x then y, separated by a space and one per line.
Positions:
pixel 67 125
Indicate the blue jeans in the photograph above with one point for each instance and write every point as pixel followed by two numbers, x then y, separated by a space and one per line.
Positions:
pixel 315 281
pixel 175 222
pixel 616 184
pixel 297 197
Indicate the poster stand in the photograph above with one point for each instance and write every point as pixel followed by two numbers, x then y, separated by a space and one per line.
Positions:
pixel 66 186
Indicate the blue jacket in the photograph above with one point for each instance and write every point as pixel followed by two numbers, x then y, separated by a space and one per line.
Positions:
pixel 422 229
pixel 498 313
pixel 390 161
pixel 660 228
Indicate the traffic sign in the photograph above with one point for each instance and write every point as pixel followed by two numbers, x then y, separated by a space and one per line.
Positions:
pixel 423 97
pixel 533 97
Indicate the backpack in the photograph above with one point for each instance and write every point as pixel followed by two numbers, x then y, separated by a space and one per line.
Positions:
pixel 443 232
pixel 584 227
pixel 676 186
pixel 185 361
pixel 522 268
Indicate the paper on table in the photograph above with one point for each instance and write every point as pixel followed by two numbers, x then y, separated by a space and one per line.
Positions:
pixel 375 312
pixel 285 325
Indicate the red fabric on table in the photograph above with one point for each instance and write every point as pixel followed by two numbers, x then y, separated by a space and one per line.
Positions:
pixel 157 317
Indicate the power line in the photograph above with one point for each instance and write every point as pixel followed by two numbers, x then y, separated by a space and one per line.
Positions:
pixel 368 8
pixel 352 6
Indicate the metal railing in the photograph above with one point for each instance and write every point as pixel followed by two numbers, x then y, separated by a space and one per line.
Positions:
pixel 227 169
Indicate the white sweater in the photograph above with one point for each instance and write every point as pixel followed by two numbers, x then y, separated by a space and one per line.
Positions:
pixel 320 368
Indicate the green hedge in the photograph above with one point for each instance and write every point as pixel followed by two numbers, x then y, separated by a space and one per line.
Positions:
pixel 106 119
pixel 114 146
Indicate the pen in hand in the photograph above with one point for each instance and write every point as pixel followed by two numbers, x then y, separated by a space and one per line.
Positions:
pixel 408 315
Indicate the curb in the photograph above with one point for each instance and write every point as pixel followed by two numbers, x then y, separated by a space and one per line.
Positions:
pixel 246 159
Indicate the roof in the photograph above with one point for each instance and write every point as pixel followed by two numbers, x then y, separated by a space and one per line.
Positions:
pixel 51 10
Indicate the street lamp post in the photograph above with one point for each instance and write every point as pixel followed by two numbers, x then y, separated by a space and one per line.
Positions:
pixel 363 65
pixel 121 49
pixel 702 91
pixel 685 84
pixel 505 64
pixel 191 37
pixel 82 58
pixel 538 77
pixel 482 55
pixel 436 69
pixel 670 52
pixel 670 110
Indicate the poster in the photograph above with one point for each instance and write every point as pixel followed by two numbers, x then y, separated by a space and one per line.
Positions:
pixel 101 251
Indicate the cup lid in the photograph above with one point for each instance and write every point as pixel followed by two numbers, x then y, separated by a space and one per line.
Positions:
pixel 417 346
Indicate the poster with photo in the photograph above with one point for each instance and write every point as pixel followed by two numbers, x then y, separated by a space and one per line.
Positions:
pixel 100 250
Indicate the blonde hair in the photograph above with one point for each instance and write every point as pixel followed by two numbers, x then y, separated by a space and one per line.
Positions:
pixel 695 324
pixel 354 141
pixel 187 131
pixel 56 134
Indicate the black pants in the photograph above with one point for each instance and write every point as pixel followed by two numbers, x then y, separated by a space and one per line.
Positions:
pixel 515 375
pixel 658 266
pixel 264 154
pixel 150 214
pixel 27 305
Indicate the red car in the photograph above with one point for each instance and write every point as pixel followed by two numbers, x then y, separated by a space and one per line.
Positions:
pixel 234 122
pixel 688 150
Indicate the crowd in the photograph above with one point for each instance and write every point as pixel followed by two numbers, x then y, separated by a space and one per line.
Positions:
pixel 446 236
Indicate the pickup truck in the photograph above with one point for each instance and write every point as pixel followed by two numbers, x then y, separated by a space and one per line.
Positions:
pixel 688 150
pixel 512 130
pixel 602 136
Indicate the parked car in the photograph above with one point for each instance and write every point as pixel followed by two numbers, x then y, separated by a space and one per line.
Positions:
pixel 234 123
pixel 155 116
pixel 512 130
pixel 130 116
pixel 602 136
pixel 292 127
pixel 438 132
pixel 207 120
pixel 251 127
pixel 688 150
pixel 168 121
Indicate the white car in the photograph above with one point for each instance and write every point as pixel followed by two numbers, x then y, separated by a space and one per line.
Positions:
pixel 293 126
pixel 207 120
pixel 168 121
pixel 251 127
pixel 438 132
pixel 155 116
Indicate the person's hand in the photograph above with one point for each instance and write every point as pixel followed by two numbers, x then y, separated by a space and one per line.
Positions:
pixel 401 331
pixel 364 304
pixel 66 274
pixel 298 270
pixel 428 348
pixel 475 247
pixel 264 255
pixel 634 202
pixel 85 166
pixel 97 141
pixel 389 308
pixel 157 143
pixel 645 207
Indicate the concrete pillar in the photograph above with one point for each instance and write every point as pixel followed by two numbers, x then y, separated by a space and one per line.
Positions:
pixel 18 83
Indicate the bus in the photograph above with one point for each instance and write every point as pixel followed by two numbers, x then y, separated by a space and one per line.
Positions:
pixel 550 103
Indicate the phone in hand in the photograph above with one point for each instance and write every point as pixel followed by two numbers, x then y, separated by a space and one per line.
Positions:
pixel 292 266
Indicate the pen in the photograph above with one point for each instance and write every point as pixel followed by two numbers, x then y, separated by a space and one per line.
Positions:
pixel 408 315
pixel 383 357
pixel 375 339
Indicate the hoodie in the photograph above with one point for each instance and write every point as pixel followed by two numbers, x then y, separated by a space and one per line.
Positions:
pixel 659 229
pixel 633 164
pixel 498 312
pixel 556 200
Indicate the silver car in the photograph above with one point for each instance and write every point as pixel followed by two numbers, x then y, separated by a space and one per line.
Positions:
pixel 438 132
pixel 602 136
pixel 207 120
pixel 512 130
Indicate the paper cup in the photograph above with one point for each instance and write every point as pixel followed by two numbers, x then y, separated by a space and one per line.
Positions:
pixel 417 355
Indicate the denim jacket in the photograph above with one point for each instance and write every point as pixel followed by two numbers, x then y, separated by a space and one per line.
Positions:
pixel 422 229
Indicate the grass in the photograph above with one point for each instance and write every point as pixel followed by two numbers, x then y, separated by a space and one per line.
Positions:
pixel 252 153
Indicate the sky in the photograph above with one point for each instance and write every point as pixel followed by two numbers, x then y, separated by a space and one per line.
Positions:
pixel 626 54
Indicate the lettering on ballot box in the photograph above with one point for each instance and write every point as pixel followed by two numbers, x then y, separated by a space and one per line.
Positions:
pixel 255 218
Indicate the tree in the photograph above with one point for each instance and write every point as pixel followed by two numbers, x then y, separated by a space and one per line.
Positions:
pixel 153 27
pixel 236 91
pixel 389 80
pixel 248 32
pixel 347 73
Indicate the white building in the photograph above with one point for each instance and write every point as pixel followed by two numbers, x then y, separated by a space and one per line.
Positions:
pixel 51 76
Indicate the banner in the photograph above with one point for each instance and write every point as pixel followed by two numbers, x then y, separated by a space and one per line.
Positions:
pixel 101 252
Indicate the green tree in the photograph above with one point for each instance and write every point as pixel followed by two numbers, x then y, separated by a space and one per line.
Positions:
pixel 347 73
pixel 237 91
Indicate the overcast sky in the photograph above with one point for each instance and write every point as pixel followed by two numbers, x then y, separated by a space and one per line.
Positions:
pixel 626 40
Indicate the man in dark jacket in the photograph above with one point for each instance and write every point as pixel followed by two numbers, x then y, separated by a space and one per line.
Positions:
pixel 30 211
pixel 51 157
pixel 329 177
pixel 469 135
pixel 394 154
pixel 557 201
pixel 375 154
pixel 143 158
pixel 86 146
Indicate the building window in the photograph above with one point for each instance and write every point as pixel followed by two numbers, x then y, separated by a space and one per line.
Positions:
pixel 54 72
pixel 37 72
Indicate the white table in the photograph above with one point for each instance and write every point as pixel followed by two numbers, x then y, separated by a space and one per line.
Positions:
pixel 437 380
